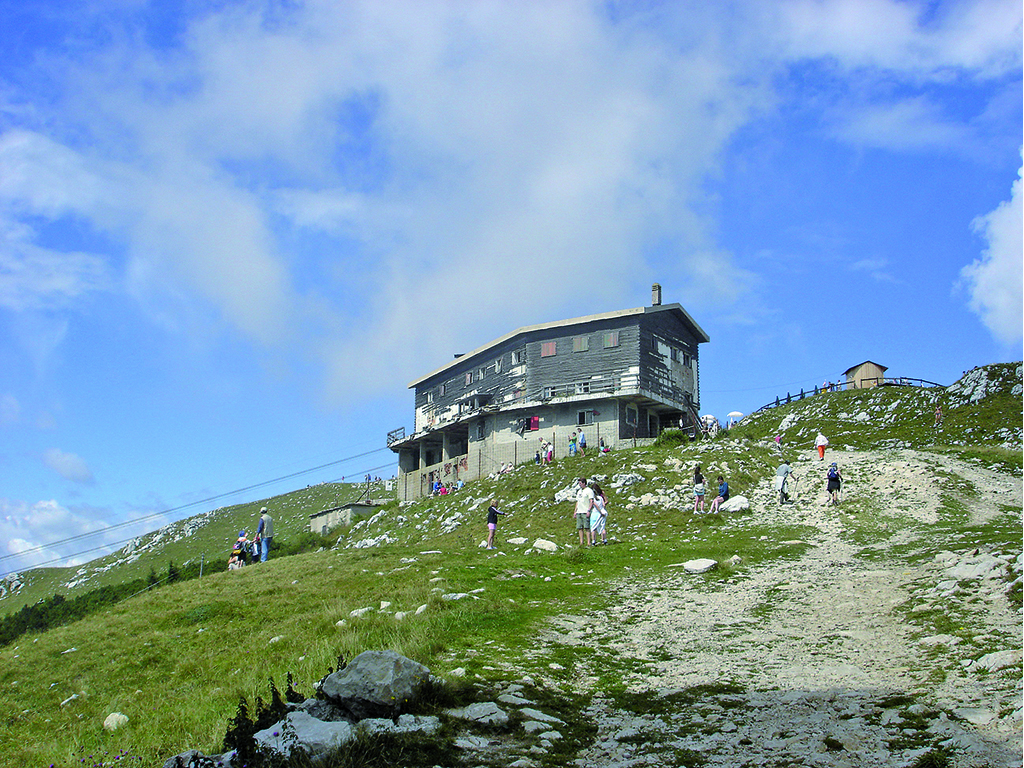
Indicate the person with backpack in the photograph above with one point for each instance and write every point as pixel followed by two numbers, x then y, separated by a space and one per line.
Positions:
pixel 835 481
pixel 782 476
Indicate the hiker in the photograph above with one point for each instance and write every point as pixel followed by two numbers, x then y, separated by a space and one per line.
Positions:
pixel 723 494
pixel 239 552
pixel 821 442
pixel 698 489
pixel 582 442
pixel 835 481
pixel 265 533
pixel 584 503
pixel 492 521
pixel 599 516
pixel 782 475
pixel 938 416
pixel 572 444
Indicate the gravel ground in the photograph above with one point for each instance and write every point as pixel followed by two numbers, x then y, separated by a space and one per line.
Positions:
pixel 811 660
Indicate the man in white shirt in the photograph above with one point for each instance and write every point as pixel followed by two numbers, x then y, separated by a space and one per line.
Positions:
pixel 584 503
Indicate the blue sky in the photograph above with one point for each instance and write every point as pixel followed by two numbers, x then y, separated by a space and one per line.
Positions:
pixel 231 233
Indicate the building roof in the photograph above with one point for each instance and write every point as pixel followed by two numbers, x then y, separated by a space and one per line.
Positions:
pixel 866 362
pixel 684 316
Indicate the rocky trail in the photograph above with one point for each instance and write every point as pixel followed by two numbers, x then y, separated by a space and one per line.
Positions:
pixel 817 660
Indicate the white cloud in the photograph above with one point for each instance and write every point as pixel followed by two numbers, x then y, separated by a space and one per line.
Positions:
pixel 537 157
pixel 911 124
pixel 68 465
pixel 912 38
pixel 994 281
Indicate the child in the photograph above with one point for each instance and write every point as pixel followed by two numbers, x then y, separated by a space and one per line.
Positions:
pixel 492 522
pixel 723 494
pixel 599 516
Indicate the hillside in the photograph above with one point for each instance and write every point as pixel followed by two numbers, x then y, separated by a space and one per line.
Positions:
pixel 206 536
pixel 871 633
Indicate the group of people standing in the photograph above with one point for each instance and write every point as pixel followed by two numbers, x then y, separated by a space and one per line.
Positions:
pixel 591 512
pixel 259 547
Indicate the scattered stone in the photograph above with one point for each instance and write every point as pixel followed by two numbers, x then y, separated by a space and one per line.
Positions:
pixel 114 721
pixel 486 712
pixel 545 545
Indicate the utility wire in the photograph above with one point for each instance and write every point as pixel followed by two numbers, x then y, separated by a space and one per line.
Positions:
pixel 115 545
pixel 143 518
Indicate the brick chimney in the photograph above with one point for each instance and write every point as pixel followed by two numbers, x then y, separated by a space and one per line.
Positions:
pixel 656 295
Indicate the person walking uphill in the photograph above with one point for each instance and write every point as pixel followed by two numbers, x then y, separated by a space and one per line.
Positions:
pixel 265 533
pixel 821 443
pixel 492 521
pixel 584 504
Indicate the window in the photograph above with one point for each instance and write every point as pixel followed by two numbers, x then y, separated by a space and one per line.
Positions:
pixel 673 353
pixel 585 417
pixel 480 430
pixel 430 396
pixel 548 392
pixel 611 339
pixel 547 349
pixel 580 343
pixel 444 389
pixel 480 374
pixel 497 365
pixel 631 415
pixel 517 357
pixel 469 378
pixel 583 388
pixel 686 360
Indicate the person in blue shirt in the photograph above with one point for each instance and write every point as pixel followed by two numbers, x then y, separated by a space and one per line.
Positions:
pixel 723 494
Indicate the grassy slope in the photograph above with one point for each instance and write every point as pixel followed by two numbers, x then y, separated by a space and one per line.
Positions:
pixel 176 660
pixel 214 533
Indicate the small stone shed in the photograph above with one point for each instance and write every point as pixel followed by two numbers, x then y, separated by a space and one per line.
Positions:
pixel 864 375
pixel 326 519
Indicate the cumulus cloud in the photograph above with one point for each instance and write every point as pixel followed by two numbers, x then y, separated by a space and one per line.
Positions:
pixel 994 281
pixel 911 38
pixel 68 465
pixel 47 532
pixel 316 185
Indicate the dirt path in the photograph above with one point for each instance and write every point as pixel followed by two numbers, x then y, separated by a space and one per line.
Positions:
pixel 812 660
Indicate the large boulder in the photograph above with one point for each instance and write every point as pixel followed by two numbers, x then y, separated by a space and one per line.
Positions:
pixel 735 504
pixel 375 684
pixel 301 730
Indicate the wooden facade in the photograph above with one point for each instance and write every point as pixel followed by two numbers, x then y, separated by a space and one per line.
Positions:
pixel 619 376
pixel 867 374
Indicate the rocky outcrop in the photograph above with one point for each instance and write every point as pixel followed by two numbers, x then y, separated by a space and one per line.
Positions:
pixel 368 698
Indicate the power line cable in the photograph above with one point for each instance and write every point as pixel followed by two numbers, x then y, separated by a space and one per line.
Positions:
pixel 115 545
pixel 151 516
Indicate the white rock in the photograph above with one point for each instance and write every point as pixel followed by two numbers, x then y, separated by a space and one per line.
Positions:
pixel 701 565
pixel 360 612
pixel 735 504
pixel 545 545
pixel 999 660
pixel 276 639
pixel 114 721
pixel 421 609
